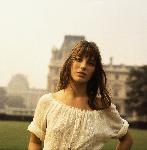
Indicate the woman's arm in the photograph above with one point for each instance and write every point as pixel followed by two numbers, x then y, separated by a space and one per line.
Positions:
pixel 125 142
pixel 34 143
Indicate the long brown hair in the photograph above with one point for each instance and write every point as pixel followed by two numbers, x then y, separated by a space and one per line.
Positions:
pixel 97 84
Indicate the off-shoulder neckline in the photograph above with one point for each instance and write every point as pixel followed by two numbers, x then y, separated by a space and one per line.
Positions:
pixel 72 107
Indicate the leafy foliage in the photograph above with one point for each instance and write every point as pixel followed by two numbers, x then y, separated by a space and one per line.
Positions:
pixel 15 101
pixel 137 93
pixel 3 97
pixel 10 100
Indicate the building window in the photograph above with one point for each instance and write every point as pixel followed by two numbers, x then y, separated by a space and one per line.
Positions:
pixel 116 76
pixel 116 90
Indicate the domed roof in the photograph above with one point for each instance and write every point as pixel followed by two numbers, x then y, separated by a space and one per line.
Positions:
pixel 19 82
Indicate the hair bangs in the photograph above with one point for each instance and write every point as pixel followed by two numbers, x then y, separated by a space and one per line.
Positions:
pixel 88 52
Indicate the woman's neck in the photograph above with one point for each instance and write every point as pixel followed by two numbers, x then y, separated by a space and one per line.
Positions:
pixel 76 90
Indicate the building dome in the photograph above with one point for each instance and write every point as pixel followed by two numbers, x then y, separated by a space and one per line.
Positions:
pixel 18 83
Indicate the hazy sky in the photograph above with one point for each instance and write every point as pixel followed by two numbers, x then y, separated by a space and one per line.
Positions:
pixel 30 28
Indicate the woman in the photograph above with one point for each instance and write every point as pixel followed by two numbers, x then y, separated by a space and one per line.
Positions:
pixel 80 115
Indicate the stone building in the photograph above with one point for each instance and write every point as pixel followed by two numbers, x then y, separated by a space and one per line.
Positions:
pixel 116 74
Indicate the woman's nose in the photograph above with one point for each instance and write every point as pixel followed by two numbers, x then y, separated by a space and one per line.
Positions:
pixel 83 65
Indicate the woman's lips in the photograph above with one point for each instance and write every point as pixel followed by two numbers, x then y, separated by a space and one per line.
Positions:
pixel 81 73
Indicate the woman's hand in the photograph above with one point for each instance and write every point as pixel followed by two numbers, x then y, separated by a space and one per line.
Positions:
pixel 34 143
pixel 125 142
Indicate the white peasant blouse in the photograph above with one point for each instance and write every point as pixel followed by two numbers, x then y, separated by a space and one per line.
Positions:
pixel 63 127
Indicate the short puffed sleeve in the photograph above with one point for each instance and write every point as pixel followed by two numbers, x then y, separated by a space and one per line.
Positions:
pixel 38 125
pixel 117 127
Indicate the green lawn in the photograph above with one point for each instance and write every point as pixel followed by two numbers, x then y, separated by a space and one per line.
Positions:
pixel 14 136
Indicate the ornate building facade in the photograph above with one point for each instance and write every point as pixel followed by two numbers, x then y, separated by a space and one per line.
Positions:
pixel 117 75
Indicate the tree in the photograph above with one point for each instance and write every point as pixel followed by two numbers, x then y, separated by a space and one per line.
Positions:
pixel 15 101
pixel 3 97
pixel 137 93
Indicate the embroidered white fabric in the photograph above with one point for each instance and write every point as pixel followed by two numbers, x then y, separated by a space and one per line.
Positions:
pixel 63 127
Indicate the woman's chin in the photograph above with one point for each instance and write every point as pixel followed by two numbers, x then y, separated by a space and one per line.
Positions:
pixel 81 81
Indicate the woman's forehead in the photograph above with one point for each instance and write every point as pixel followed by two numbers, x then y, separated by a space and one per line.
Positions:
pixel 88 58
pixel 88 55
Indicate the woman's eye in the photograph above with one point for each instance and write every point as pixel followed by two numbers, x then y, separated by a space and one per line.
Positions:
pixel 92 63
pixel 78 59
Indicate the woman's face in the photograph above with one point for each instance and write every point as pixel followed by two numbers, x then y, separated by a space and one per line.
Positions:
pixel 82 69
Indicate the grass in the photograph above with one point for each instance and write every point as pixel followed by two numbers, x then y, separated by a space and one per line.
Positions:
pixel 14 136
